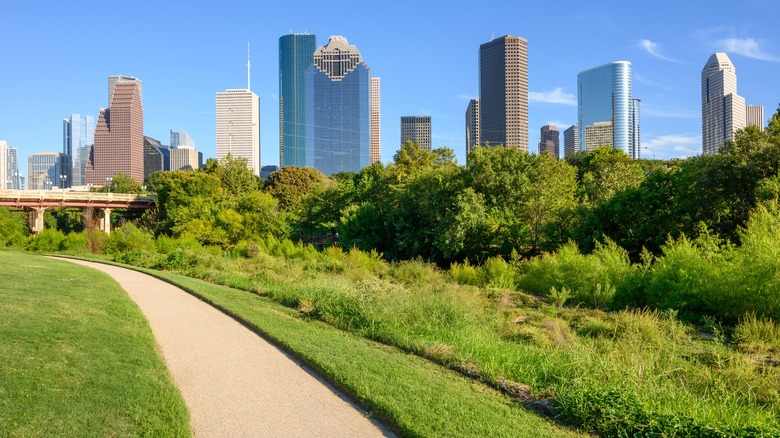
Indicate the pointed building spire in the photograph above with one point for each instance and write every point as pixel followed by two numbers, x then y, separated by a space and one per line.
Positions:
pixel 248 67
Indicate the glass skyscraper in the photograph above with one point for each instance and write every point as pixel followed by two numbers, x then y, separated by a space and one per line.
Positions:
pixel 296 55
pixel 604 97
pixel 78 136
pixel 338 109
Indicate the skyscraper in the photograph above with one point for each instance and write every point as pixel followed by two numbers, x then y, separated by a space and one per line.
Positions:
pixel 503 92
pixel 154 159
pixel 296 55
pixel 472 126
pixel 78 136
pixel 635 150
pixel 754 116
pixel 238 127
pixel 44 170
pixel 181 138
pixel 722 109
pixel 338 109
pixel 416 129
pixel 4 163
pixel 112 81
pixel 570 140
pixel 12 177
pixel 119 134
pixel 376 120
pixel 550 141
pixel 604 95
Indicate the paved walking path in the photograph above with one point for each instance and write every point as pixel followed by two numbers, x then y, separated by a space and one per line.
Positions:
pixel 234 382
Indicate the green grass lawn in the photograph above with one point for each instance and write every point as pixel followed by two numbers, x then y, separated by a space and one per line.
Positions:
pixel 77 357
pixel 415 396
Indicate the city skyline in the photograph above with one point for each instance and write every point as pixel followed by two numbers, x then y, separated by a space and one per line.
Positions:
pixel 183 70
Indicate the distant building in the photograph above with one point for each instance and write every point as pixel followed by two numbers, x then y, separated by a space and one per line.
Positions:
pixel 416 129
pixel 472 126
pixel 604 95
pixel 184 158
pixel 599 134
pixel 550 141
pixel 181 139
pixel 12 177
pixel 238 127
pixel 635 150
pixel 570 140
pixel 722 109
pixel 78 137
pixel 119 134
pixel 503 92
pixel 338 109
pixel 376 120
pixel 4 163
pixel 44 170
pixel 266 171
pixel 754 116
pixel 296 55
pixel 154 159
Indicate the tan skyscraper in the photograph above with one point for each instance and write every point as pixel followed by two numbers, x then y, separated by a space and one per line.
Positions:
pixel 503 92
pixel 722 109
pixel 119 134
pixel 416 129
pixel 376 119
pixel 754 116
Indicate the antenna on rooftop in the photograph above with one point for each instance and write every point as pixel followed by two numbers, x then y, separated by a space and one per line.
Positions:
pixel 248 67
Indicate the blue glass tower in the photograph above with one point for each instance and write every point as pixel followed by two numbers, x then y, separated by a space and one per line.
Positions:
pixel 338 109
pixel 605 102
pixel 296 55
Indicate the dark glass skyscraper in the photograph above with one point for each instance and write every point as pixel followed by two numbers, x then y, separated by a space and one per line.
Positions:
pixel 338 109
pixel 296 55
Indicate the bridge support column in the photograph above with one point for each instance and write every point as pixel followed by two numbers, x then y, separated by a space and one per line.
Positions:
pixel 35 215
pixel 105 220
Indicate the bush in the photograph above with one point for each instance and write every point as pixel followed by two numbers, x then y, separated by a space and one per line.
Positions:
pixel 75 242
pixel 12 228
pixel 496 272
pixel 756 335
pixel 465 273
pixel 128 237
pixel 96 240
pixel 49 240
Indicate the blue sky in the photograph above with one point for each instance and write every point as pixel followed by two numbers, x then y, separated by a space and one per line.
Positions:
pixel 55 59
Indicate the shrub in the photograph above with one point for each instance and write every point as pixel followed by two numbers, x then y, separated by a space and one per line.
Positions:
pixel 49 240
pixel 496 272
pixel 75 242
pixel 96 240
pixel 465 273
pixel 12 228
pixel 128 237
pixel 415 271
pixel 754 334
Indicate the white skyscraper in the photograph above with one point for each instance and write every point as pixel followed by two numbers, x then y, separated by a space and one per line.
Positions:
pixel 376 118
pixel 722 109
pixel 3 157
pixel 754 116
pixel 238 127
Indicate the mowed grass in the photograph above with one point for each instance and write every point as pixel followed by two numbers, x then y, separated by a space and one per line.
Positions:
pixel 77 357
pixel 413 395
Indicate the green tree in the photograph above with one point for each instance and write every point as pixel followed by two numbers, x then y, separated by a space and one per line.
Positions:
pixel 290 184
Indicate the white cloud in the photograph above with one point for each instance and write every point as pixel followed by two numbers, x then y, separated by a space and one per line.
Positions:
pixel 672 146
pixel 748 47
pixel 562 126
pixel 654 49
pixel 555 96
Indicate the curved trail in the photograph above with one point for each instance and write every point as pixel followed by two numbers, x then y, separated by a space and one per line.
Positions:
pixel 234 382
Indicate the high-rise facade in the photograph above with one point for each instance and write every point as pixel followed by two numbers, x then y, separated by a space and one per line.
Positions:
pixel 570 140
pixel 238 127
pixel 376 120
pixel 550 141
pixel 113 80
pixel 754 116
pixel 181 138
pixel 184 158
pixel 722 109
pixel 604 95
pixel 296 55
pixel 154 159
pixel 12 176
pixel 78 136
pixel 503 92
pixel 4 163
pixel 472 126
pixel 119 134
pixel 635 149
pixel 338 109
pixel 44 170
pixel 416 129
